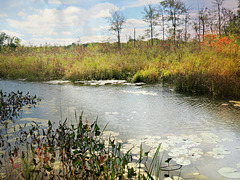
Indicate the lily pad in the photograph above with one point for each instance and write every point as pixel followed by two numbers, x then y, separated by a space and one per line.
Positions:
pixel 178 151
pixel 229 172
pixel 195 153
pixel 221 150
pixel 182 161
pixel 215 155
pixel 210 138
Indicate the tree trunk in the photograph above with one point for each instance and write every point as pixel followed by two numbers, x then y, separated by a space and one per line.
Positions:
pixel 134 38
pixel 151 34
pixel 174 33
pixel 219 20
pixel 163 29
pixel 119 43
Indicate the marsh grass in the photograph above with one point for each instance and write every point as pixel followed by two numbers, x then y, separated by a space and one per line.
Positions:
pixel 210 67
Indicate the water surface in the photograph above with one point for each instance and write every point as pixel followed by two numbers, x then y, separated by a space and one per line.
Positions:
pixel 201 133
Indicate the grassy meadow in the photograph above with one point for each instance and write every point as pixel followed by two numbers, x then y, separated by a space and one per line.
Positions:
pixel 211 66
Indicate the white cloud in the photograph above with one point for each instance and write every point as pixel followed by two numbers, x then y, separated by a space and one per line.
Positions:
pixel 11 33
pixel 66 32
pixel 139 3
pixel 103 10
pixel 65 41
pixel 134 23
pixel 51 41
pixel 3 15
pixel 57 2
pixel 52 21
pixel 60 2
pixel 22 14
pixel 231 4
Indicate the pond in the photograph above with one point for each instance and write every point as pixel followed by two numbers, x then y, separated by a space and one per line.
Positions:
pixel 201 133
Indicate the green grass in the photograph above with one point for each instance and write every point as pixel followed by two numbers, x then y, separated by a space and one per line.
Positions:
pixel 211 67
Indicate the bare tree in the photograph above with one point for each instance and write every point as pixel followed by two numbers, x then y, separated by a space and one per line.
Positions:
pixel 174 8
pixel 218 4
pixel 210 20
pixel 203 17
pixel 162 18
pixel 150 16
pixel 227 18
pixel 116 21
pixel 186 23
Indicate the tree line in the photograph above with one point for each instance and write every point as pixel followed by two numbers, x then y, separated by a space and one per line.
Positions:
pixel 173 17
pixel 8 41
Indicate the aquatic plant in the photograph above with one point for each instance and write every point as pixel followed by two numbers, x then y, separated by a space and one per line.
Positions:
pixel 78 151
pixel 12 103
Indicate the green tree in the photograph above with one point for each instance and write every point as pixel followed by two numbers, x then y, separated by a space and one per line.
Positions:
pixel 150 17
pixel 116 21
pixel 6 40
pixel 174 8
pixel 3 38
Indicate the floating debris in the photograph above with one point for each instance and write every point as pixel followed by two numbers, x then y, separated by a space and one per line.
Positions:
pixel 108 82
pixel 57 82
pixel 142 93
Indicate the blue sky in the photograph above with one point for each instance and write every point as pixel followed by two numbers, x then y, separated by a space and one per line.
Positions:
pixel 62 22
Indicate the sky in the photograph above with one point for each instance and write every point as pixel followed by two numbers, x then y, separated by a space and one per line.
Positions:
pixel 63 22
